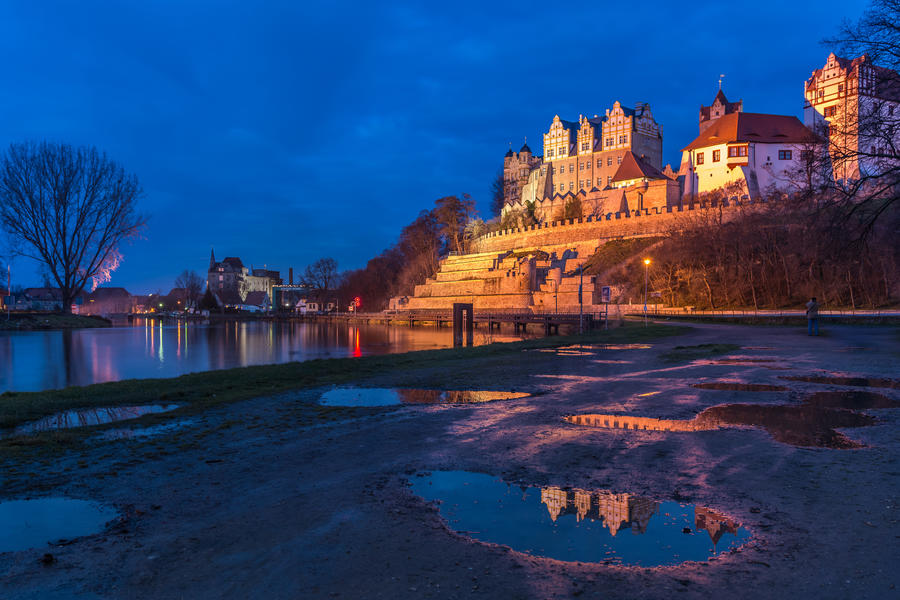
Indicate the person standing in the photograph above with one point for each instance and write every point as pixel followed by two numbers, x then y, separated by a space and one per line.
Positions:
pixel 812 317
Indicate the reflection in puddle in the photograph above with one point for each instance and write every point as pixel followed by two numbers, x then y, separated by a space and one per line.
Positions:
pixel 578 525
pixel 810 424
pixel 388 397
pixel 153 430
pixel 30 523
pixel 741 387
pixel 86 417
pixel 851 381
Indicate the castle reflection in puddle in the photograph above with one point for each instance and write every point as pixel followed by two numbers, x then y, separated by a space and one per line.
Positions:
pixel 572 524
pixel 626 511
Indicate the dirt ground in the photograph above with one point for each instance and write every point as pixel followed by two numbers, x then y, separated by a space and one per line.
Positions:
pixel 244 504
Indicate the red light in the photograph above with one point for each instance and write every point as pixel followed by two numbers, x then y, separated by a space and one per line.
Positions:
pixel 357 302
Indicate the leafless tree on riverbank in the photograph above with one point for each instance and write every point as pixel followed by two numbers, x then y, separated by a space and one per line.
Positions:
pixel 69 209
pixel 192 284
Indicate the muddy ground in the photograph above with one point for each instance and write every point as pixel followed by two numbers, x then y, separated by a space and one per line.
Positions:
pixel 247 504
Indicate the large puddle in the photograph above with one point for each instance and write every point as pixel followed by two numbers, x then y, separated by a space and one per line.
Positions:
pixel 32 523
pixel 86 417
pixel 812 423
pixel 352 396
pixel 578 525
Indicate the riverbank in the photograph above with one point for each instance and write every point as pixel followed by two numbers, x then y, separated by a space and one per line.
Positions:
pixel 270 493
pixel 44 321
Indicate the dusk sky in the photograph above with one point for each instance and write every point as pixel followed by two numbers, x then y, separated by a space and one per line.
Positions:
pixel 285 131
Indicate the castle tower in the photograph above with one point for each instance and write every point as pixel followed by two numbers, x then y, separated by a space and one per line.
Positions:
pixel 212 258
pixel 719 108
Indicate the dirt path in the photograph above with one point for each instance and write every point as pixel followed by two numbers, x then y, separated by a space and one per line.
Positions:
pixel 245 504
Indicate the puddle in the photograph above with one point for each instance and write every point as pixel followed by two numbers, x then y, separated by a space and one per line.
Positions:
pixel 389 397
pixel 596 526
pixel 32 523
pixel 741 387
pixel 811 424
pixel 145 432
pixel 851 381
pixel 86 417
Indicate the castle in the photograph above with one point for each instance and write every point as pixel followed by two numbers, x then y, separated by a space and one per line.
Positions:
pixel 600 178
pixel 613 163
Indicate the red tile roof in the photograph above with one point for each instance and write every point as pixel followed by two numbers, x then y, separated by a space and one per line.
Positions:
pixel 754 127
pixel 633 167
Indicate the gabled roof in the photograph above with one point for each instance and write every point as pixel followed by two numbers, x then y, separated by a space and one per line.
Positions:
pixel 256 298
pixel 633 167
pixel 106 293
pixel 754 127
pixel 234 261
pixel 228 297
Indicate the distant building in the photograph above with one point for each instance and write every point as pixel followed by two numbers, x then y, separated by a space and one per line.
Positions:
pixel 231 281
pixel 108 301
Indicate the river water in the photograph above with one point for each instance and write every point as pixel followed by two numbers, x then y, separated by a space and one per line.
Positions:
pixel 41 360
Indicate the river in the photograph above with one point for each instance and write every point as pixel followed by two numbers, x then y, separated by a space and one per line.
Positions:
pixel 42 360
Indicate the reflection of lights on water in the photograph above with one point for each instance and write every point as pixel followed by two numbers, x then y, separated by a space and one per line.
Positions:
pixel 161 358
pixel 357 350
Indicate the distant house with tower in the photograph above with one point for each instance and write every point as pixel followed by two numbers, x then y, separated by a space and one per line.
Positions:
pixel 232 283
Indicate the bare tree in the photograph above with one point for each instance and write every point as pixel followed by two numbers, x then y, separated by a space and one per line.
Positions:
pixel 322 276
pixel 192 284
pixel 70 209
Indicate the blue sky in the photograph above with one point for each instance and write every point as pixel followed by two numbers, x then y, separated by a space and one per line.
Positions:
pixel 285 131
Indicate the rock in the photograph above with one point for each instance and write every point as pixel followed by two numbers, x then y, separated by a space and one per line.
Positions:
pixel 48 559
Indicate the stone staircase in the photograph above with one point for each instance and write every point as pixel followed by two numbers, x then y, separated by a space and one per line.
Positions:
pixel 525 280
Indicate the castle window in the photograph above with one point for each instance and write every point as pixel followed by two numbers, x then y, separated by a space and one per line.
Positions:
pixel 609 161
pixel 840 87
pixel 608 179
pixel 571 185
pixel 717 155
pixel 543 170
pixel 585 145
pixel 829 111
pixel 599 163
pixel 623 139
pixel 581 184
pixel 699 158
pixel 571 168
pixel 599 182
pixel 618 160
pixel 821 93
pixel 784 155
pixel 736 151
pixel 550 152
pixel 581 166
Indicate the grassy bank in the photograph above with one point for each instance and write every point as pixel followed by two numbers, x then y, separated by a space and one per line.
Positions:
pixel 198 391
pixel 39 321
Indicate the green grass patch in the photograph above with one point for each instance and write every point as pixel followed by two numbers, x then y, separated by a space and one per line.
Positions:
pixel 33 321
pixel 199 391
pixel 685 353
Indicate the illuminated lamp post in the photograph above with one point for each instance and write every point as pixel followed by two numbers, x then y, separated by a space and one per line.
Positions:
pixel 646 278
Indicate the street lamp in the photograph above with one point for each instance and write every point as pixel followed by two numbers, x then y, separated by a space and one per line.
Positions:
pixel 646 277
